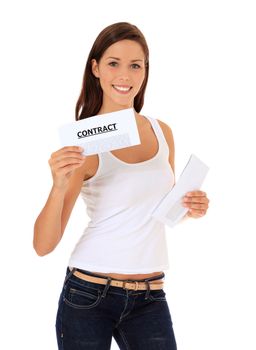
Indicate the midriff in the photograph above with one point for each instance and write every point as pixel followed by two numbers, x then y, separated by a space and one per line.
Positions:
pixel 130 276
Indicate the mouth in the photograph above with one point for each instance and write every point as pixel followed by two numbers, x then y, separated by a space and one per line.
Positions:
pixel 122 89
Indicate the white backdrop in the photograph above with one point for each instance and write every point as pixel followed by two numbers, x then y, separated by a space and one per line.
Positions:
pixel 202 83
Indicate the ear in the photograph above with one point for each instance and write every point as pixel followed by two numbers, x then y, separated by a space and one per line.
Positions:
pixel 95 68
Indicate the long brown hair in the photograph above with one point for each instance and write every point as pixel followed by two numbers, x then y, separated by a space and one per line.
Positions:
pixel 90 99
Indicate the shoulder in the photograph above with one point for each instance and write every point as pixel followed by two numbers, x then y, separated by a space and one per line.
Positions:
pixel 167 131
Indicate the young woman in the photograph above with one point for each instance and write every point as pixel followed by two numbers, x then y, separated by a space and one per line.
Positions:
pixel 114 281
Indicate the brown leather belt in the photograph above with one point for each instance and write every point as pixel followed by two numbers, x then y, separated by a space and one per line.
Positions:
pixel 135 285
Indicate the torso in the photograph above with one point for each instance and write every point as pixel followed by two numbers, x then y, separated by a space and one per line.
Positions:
pixel 135 154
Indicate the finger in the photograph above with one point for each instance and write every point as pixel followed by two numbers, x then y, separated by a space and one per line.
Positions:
pixel 65 170
pixel 68 161
pixel 70 155
pixel 73 148
pixel 199 206
pixel 60 162
pixel 195 200
pixel 66 149
pixel 196 194
pixel 196 213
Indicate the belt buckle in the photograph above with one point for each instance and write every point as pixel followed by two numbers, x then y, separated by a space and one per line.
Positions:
pixel 136 284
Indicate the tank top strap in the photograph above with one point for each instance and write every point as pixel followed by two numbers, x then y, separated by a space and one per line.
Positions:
pixel 109 160
pixel 159 133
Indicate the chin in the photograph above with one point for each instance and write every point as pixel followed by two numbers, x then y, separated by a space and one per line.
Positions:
pixel 123 104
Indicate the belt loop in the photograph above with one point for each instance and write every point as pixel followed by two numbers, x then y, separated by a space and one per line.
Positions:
pixel 69 275
pixel 148 289
pixel 106 287
pixel 136 285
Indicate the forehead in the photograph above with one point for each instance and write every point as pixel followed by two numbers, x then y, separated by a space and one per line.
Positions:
pixel 126 49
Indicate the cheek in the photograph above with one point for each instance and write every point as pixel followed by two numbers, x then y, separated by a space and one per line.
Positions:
pixel 106 74
pixel 106 77
pixel 139 80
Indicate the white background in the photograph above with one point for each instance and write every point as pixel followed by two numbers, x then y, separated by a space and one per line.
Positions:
pixel 202 83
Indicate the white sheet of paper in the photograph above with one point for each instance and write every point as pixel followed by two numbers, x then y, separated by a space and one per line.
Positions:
pixel 102 133
pixel 170 209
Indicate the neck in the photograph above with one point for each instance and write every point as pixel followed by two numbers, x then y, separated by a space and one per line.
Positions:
pixel 112 107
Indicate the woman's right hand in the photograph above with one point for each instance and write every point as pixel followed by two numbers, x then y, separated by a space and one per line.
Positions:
pixel 63 163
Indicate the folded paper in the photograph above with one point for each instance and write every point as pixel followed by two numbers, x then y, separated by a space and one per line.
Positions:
pixel 170 209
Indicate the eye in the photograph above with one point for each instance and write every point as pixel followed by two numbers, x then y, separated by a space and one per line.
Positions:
pixel 113 64
pixel 135 66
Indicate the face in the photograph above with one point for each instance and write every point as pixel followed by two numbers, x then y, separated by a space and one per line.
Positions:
pixel 121 72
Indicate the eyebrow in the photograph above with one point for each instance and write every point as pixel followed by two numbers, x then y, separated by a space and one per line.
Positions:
pixel 118 59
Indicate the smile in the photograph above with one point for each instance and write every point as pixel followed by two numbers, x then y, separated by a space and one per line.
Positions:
pixel 122 89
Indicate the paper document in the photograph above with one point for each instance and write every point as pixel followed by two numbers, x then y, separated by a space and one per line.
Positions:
pixel 102 133
pixel 170 209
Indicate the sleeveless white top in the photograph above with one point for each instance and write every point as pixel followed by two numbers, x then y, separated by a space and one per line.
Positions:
pixel 121 236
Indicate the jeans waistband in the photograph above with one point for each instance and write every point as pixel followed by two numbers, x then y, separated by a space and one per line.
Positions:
pixel 71 270
pixel 157 277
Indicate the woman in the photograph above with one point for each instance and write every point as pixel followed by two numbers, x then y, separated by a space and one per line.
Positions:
pixel 114 282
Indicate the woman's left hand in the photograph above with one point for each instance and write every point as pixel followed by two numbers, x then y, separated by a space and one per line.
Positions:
pixel 197 203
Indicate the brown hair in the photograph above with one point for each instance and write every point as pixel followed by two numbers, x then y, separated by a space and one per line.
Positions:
pixel 90 99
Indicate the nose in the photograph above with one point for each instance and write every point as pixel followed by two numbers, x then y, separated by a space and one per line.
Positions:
pixel 124 75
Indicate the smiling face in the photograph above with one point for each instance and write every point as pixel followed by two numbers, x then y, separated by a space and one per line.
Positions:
pixel 121 72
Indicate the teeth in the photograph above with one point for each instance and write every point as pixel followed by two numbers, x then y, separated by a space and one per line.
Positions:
pixel 121 88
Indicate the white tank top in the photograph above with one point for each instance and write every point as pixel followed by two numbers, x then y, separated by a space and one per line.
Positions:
pixel 121 236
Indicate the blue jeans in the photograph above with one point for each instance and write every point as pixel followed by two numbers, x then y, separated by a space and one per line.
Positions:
pixel 89 314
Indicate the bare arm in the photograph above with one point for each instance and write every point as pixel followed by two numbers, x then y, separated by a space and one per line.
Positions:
pixel 68 171
pixel 167 131
pixel 196 201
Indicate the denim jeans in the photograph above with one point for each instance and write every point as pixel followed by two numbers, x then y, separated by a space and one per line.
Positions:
pixel 90 314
